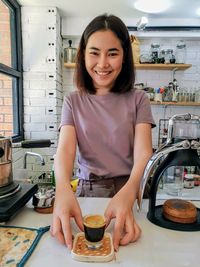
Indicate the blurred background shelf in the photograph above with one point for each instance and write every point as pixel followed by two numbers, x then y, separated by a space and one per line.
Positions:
pixel 175 103
pixel 163 66
pixel 149 66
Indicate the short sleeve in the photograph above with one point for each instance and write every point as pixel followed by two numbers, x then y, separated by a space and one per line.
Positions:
pixel 67 114
pixel 144 114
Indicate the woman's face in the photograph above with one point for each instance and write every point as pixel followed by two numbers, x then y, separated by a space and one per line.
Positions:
pixel 103 59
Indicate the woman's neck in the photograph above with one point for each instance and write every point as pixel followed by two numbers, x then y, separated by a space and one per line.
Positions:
pixel 103 91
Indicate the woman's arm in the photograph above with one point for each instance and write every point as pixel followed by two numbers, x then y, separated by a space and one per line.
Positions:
pixel 66 204
pixel 126 229
pixel 65 155
pixel 142 153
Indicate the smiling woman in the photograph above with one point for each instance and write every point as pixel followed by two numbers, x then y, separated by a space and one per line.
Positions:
pixel 111 124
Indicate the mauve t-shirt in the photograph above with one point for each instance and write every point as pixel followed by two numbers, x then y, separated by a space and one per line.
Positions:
pixel 104 127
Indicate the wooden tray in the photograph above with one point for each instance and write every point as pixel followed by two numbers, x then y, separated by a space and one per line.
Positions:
pixel 81 252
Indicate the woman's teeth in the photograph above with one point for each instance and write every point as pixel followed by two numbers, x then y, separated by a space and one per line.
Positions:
pixel 103 73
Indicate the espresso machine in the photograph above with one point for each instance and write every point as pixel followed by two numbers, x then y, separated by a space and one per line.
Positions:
pixel 180 149
pixel 14 195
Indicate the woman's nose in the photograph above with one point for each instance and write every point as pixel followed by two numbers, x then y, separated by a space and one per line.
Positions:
pixel 103 61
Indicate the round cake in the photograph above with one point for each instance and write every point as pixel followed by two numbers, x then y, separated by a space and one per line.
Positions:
pixel 180 211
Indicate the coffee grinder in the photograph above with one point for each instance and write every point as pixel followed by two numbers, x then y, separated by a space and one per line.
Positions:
pixel 180 149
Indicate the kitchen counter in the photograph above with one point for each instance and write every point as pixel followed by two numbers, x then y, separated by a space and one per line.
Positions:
pixel 157 247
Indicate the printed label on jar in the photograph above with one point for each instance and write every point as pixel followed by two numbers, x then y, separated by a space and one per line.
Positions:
pixel 189 181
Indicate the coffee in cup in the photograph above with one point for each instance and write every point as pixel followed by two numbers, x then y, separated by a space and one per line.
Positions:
pixel 94 228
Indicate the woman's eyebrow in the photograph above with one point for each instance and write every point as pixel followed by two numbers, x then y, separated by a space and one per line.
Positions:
pixel 94 48
pixel 113 49
pixel 110 49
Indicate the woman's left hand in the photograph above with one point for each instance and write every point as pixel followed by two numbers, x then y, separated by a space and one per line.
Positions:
pixel 126 230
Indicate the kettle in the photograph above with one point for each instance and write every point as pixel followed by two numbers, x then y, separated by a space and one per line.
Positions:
pixel 70 53
pixel 6 176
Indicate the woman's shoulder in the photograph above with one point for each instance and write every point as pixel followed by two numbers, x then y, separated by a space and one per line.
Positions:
pixel 73 96
pixel 137 95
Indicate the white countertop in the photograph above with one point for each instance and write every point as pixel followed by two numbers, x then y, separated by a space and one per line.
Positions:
pixel 157 247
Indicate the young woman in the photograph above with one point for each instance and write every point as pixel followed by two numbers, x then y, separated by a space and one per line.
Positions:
pixel 111 124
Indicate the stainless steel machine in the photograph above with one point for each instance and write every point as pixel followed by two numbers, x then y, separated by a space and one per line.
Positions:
pixel 180 149
pixel 14 195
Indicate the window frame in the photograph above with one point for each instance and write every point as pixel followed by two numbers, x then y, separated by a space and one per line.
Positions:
pixel 17 72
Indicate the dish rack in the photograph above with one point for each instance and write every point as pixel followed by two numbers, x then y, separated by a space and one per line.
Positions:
pixel 47 179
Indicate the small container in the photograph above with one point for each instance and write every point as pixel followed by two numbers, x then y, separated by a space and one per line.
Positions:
pixel 168 56
pixel 162 56
pixel 70 53
pixel 181 52
pixel 155 51
pixel 188 181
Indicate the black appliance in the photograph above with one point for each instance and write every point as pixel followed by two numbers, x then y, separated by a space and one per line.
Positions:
pixel 180 149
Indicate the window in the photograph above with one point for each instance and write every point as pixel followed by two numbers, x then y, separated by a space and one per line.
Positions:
pixel 11 96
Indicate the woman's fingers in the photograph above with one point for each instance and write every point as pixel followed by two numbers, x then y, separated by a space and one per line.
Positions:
pixel 132 233
pixel 117 233
pixel 66 228
pixel 79 220
pixel 108 217
pixel 56 231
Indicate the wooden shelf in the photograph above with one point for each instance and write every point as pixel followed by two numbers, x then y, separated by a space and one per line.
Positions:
pixel 69 65
pixel 176 103
pixel 162 66
pixel 149 66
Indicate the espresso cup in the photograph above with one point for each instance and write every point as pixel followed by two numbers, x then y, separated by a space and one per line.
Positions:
pixel 94 228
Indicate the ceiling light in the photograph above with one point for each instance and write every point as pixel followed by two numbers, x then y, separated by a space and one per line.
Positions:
pixel 153 6
pixel 141 24
pixel 198 11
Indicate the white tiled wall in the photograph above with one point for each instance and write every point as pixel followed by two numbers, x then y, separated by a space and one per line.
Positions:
pixel 42 65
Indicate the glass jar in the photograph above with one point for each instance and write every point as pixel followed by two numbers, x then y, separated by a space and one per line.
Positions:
pixel 189 181
pixel 162 56
pixel 168 56
pixel 155 50
pixel 180 52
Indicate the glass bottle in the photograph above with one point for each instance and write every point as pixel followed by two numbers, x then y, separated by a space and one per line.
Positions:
pixel 155 50
pixel 180 52
pixel 168 56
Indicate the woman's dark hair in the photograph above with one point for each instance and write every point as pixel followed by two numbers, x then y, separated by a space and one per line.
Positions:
pixel 126 78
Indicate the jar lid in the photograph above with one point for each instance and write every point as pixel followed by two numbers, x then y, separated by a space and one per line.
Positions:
pixel 155 45
pixel 169 51
pixel 189 176
pixel 181 44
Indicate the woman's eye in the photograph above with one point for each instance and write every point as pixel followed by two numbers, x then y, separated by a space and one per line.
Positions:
pixel 94 53
pixel 113 54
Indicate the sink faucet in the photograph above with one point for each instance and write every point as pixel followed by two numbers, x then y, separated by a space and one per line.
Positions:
pixel 34 155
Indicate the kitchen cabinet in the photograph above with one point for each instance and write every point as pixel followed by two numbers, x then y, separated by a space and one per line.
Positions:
pixel 149 66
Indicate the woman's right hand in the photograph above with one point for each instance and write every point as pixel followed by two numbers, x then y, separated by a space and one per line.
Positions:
pixel 65 207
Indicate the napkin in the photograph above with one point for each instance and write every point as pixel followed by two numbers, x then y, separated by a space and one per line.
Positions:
pixel 17 244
